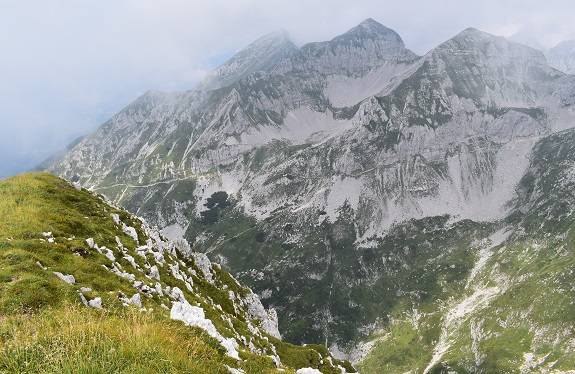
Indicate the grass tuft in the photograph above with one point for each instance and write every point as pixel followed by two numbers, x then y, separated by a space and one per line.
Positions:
pixel 73 339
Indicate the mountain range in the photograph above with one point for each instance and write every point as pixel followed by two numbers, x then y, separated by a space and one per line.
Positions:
pixel 412 213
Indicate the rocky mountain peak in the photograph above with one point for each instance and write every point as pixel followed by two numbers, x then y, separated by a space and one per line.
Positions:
pixel 492 47
pixel 562 56
pixel 362 48
pixel 482 66
pixel 471 39
pixel 370 29
pixel 567 46
pixel 263 54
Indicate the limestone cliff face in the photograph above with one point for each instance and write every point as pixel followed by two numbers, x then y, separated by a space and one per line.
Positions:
pixel 328 151
pixel 442 134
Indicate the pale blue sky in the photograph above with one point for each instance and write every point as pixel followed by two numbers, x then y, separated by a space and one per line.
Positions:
pixel 68 65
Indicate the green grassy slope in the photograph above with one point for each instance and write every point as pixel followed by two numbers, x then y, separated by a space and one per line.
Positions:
pixel 47 226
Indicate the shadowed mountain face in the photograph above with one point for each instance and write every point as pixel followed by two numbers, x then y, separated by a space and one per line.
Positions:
pixel 365 187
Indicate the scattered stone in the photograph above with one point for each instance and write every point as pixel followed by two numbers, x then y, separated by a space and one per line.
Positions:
pixel 116 218
pixel 268 317
pixel 159 289
pixel 132 261
pixel 159 258
pixel 194 316
pixel 142 287
pixel 176 294
pixel 84 301
pixel 154 272
pixel 235 371
pixel 308 371
pixel 66 278
pixel 120 245
pixel 109 254
pixel 136 300
pixel 130 231
pixel 277 360
pixel 204 264
pixel 143 250
pixel 96 303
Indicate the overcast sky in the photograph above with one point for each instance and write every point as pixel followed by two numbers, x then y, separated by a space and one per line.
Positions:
pixel 68 65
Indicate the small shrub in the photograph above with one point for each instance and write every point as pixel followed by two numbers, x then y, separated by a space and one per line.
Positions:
pixel 260 237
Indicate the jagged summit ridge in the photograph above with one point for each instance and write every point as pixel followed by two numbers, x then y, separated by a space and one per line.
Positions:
pixel 359 50
pixel 372 29
pixel 365 47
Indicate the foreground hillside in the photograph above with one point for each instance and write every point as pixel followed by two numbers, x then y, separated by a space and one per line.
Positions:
pixel 87 287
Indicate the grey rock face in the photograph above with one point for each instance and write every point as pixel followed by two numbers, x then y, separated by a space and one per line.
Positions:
pixel 562 56
pixel 356 52
pixel 262 54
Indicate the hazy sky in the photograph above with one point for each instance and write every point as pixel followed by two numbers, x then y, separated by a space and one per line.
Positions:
pixel 68 65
